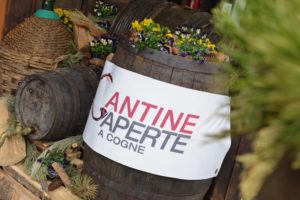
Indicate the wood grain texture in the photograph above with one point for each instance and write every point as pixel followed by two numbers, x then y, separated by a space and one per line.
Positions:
pixel 219 189
pixel 17 172
pixel 56 104
pixel 66 4
pixel 3 10
pixel 17 11
pixel 166 14
pixel 233 187
pixel 120 182
pixel 12 190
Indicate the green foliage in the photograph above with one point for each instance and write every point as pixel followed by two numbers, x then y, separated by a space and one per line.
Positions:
pixel 38 171
pixel 147 33
pixel 31 156
pixel 54 157
pixel 73 57
pixel 104 46
pixel 104 10
pixel 265 42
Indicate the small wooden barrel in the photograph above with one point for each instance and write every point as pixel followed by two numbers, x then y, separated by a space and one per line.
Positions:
pixel 120 182
pixel 56 104
pixel 165 13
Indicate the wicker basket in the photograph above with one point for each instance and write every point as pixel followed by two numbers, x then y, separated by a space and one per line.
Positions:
pixel 34 46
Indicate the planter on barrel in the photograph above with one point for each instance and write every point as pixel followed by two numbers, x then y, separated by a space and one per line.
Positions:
pixel 56 104
pixel 166 14
pixel 115 172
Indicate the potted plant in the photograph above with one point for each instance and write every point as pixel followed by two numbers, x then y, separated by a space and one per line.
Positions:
pixel 100 48
pixel 104 14
pixel 185 41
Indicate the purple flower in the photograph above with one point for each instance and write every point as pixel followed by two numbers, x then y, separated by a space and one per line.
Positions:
pixel 184 54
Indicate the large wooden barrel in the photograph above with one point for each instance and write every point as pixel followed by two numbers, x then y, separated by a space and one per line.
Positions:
pixel 120 182
pixel 165 13
pixel 56 104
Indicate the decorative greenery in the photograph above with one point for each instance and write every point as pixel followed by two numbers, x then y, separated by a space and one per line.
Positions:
pixel 264 40
pixel 54 157
pixel 104 10
pixel 103 46
pixel 103 14
pixel 84 187
pixel 63 14
pixel 73 57
pixel 31 156
pixel 39 170
pixel 191 42
pixel 186 42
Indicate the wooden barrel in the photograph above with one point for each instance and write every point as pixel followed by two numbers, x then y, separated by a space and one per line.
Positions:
pixel 56 104
pixel 120 182
pixel 165 13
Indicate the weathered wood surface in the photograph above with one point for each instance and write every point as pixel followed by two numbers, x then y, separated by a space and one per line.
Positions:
pixel 165 13
pixel 17 172
pixel 283 183
pixel 218 191
pixel 66 4
pixel 130 184
pixel 119 182
pixel 209 77
pixel 3 9
pixel 56 104
pixel 12 190
pixel 13 12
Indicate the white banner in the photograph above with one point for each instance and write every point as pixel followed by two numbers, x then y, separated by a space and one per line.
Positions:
pixel 156 127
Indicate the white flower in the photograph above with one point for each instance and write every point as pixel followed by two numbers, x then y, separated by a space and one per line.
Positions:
pixel 109 41
pixel 95 10
pixel 198 31
pixel 177 32
pixel 99 13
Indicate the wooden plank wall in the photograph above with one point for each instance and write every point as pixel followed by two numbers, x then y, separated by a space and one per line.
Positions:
pixel 3 7
pixel 13 12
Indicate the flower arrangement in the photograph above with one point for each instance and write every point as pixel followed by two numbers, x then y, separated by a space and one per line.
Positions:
pixel 104 13
pixel 102 47
pixel 63 14
pixel 185 42
pixel 104 10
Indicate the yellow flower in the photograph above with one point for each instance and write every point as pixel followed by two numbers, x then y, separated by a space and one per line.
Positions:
pixel 58 11
pixel 211 46
pixel 179 42
pixel 157 28
pixel 147 22
pixel 66 20
pixel 200 42
pixel 70 25
pixel 136 25
pixel 169 35
pixel 66 13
